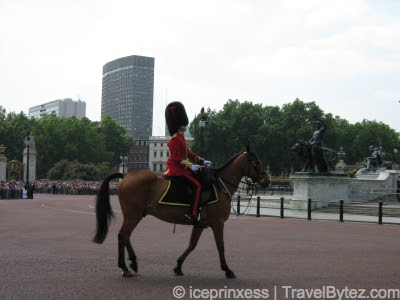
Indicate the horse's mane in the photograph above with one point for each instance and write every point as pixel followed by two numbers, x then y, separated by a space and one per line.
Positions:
pixel 227 163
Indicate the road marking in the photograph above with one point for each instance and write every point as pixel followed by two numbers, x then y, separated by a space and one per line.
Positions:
pixel 68 210
pixel 118 211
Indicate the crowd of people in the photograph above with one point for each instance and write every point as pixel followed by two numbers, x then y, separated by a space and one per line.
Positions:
pixel 17 189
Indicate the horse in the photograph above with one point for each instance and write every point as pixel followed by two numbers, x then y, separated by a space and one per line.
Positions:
pixel 140 191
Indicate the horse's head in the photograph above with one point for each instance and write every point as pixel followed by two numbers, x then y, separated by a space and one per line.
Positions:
pixel 255 170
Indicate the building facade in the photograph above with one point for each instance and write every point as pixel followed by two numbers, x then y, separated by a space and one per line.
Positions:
pixel 158 153
pixel 61 107
pixel 151 154
pixel 138 156
pixel 127 94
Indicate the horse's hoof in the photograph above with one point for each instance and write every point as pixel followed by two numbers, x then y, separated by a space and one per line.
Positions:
pixel 230 274
pixel 127 274
pixel 134 267
pixel 178 271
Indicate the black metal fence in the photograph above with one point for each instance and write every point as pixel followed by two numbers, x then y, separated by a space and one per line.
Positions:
pixel 378 214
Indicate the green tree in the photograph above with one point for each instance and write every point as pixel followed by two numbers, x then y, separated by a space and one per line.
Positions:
pixel 13 131
pixel 373 133
pixel 71 139
pixel 236 124
pixel 72 170
pixel 60 138
pixel 58 170
pixel 272 131
pixel 116 139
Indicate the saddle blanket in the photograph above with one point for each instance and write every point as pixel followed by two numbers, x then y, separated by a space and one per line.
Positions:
pixel 181 194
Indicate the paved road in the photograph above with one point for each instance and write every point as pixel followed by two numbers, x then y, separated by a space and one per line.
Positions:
pixel 46 253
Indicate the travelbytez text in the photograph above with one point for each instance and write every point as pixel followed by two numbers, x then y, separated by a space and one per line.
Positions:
pixel 331 292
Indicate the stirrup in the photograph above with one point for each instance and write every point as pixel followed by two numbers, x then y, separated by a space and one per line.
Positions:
pixel 196 218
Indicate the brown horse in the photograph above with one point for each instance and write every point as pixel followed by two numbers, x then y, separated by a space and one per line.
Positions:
pixel 139 192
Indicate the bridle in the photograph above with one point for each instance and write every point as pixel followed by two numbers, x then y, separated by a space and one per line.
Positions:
pixel 254 163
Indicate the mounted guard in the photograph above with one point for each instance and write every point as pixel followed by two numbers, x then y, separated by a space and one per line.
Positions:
pixel 178 163
pixel 143 193
pixel 139 195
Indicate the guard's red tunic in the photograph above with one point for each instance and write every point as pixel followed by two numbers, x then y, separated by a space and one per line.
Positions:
pixel 178 151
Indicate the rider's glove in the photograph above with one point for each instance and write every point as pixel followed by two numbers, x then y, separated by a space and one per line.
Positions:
pixel 195 168
pixel 207 163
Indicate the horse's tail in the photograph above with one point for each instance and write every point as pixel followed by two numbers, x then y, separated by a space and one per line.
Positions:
pixel 104 212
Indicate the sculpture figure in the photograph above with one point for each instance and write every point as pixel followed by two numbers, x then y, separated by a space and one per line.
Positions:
pixel 376 161
pixel 317 157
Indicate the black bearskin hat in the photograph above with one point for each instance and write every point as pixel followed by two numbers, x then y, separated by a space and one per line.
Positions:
pixel 175 116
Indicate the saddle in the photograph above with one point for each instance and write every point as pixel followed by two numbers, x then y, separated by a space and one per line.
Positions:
pixel 182 192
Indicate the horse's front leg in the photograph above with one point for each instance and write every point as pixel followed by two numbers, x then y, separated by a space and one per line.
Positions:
pixel 194 238
pixel 218 231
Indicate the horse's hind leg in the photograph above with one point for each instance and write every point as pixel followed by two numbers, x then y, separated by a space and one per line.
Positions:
pixel 218 231
pixel 194 238
pixel 123 241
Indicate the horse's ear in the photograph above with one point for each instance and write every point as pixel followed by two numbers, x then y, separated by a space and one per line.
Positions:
pixel 245 147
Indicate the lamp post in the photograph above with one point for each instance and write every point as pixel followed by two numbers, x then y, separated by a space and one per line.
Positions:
pixel 202 124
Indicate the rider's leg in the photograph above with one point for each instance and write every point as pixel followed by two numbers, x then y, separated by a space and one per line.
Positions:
pixel 198 192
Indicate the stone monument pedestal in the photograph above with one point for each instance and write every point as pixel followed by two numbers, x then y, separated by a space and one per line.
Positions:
pixel 331 187
pixel 3 167
pixel 321 188
pixel 3 164
pixel 30 152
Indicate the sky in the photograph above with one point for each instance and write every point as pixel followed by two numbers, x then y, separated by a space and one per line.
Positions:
pixel 344 55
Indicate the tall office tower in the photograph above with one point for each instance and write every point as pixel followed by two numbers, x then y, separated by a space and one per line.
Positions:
pixel 127 95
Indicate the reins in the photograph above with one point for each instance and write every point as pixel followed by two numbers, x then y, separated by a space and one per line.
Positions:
pixel 223 182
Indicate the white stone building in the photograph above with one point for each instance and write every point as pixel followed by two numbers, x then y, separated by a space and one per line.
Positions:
pixel 159 153
pixel 61 107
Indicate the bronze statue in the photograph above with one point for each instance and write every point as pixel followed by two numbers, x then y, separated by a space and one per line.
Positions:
pixel 376 161
pixel 317 157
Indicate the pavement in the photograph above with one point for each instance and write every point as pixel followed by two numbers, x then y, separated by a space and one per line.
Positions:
pixel 46 252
